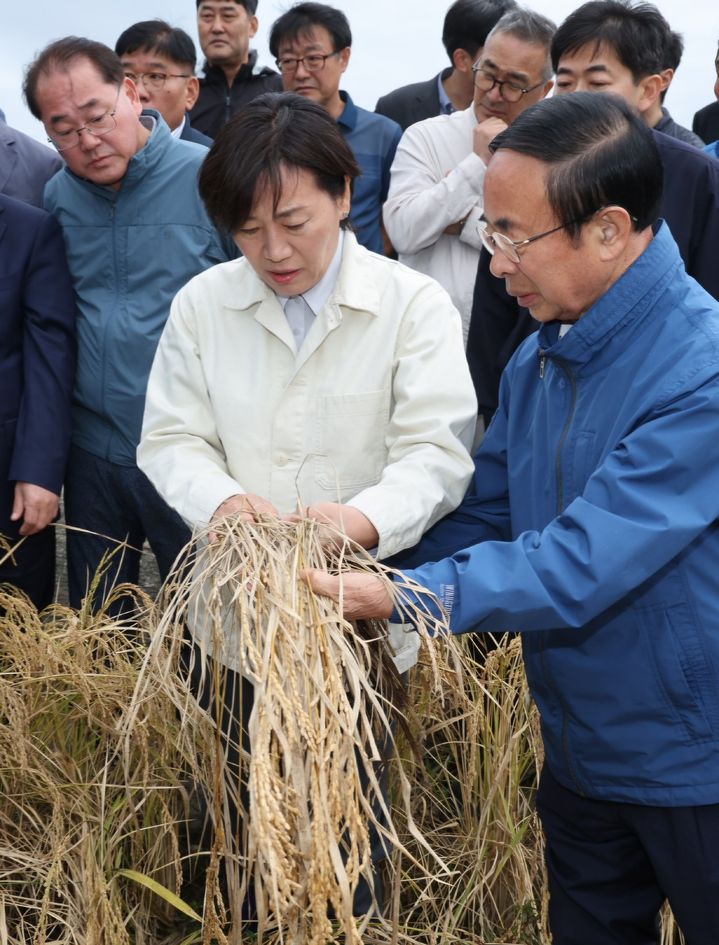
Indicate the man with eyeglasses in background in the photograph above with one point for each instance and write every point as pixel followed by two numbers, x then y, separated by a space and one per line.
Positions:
pixel 225 28
pixel 135 231
pixel 466 26
pixel 311 44
pixel 160 60
pixel 606 46
pixel 435 197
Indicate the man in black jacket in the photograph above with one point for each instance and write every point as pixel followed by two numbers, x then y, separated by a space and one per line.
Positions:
pixel 604 46
pixel 225 28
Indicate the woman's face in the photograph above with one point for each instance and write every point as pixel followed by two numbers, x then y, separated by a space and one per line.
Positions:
pixel 290 246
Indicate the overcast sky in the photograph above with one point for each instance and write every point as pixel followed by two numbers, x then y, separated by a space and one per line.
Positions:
pixel 394 42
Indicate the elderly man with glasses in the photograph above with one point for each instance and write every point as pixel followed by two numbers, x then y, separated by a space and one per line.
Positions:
pixel 435 197
pixel 160 59
pixel 312 43
pixel 590 525
pixel 135 232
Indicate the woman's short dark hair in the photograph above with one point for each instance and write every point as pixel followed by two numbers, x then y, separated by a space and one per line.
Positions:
pixel 275 131
pixel 303 17
pixel 60 54
pixel 598 153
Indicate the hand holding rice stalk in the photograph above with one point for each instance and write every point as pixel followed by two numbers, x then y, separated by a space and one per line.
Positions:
pixel 327 698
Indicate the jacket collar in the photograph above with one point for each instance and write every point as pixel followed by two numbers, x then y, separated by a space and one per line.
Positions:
pixel 630 299
pixel 354 289
pixel 214 75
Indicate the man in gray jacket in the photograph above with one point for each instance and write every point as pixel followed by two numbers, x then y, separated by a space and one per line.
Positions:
pixel 135 232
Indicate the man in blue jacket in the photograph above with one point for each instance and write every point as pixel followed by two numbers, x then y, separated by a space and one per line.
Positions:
pixel 37 367
pixel 591 523
pixel 135 232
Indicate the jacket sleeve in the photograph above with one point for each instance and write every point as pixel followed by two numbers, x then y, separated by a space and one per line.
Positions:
pixel 653 495
pixel 42 436
pixel 180 450
pixel 430 428
pixel 702 262
pixel 423 201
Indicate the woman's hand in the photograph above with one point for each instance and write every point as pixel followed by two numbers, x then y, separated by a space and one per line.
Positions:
pixel 344 518
pixel 246 506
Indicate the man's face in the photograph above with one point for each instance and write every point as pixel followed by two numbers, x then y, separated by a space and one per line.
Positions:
pixel 321 86
pixel 172 98
pixel 716 84
pixel 597 69
pixel 75 96
pixel 225 29
pixel 556 279
pixel 507 58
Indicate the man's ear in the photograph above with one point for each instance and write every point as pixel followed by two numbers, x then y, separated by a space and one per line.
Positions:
pixel 613 227
pixel 192 92
pixel 462 61
pixel 650 88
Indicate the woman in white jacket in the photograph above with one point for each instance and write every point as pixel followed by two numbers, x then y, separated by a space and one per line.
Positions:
pixel 311 372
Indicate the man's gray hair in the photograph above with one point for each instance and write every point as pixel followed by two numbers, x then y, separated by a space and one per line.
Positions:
pixel 529 27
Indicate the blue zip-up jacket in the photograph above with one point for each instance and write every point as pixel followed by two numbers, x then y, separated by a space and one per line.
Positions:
pixel 129 251
pixel 590 527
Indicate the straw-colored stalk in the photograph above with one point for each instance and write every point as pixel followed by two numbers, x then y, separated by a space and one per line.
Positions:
pixel 325 711
pixel 74 812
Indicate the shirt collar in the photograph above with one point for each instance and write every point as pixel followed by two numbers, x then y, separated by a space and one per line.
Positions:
pixel 348 118
pixel 317 296
pixel 177 132
pixel 445 105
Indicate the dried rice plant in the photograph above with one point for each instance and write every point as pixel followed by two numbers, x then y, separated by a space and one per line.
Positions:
pixel 85 829
pixel 327 704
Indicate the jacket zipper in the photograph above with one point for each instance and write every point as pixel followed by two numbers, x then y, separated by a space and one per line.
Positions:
pixel 560 508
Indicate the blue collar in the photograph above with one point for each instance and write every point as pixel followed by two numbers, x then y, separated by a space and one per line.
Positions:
pixel 348 118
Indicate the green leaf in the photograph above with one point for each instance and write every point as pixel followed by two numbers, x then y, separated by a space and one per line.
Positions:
pixel 162 891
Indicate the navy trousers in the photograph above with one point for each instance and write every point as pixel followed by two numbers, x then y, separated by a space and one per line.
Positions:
pixel 117 504
pixel 611 866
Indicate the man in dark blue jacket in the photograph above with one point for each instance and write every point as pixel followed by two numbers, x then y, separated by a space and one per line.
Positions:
pixel 37 366
pixel 605 46
pixel 591 523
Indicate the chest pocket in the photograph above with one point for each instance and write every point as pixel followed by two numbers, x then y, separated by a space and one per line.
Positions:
pixel 582 463
pixel 349 441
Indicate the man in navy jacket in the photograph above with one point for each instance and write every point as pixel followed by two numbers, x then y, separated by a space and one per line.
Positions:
pixel 37 365
pixel 591 523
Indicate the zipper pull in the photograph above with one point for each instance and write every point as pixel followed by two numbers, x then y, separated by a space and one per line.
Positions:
pixel 541 367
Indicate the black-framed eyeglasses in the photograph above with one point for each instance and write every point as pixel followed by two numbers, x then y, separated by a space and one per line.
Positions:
pixel 156 80
pixel 314 62
pixel 97 127
pixel 510 91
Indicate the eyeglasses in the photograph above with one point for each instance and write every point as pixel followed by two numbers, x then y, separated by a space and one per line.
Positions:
pixel 156 80
pixel 312 63
pixel 97 127
pixel 493 240
pixel 510 91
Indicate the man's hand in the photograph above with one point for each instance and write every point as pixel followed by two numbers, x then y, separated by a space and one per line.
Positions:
pixel 364 595
pixel 246 506
pixel 484 133
pixel 345 518
pixel 35 506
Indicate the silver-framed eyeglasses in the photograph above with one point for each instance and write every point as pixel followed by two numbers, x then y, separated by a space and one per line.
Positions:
pixel 314 62
pixel 97 127
pixel 493 240
pixel 510 91
pixel 156 80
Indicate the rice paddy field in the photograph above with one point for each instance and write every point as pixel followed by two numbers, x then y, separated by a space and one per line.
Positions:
pixel 131 813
